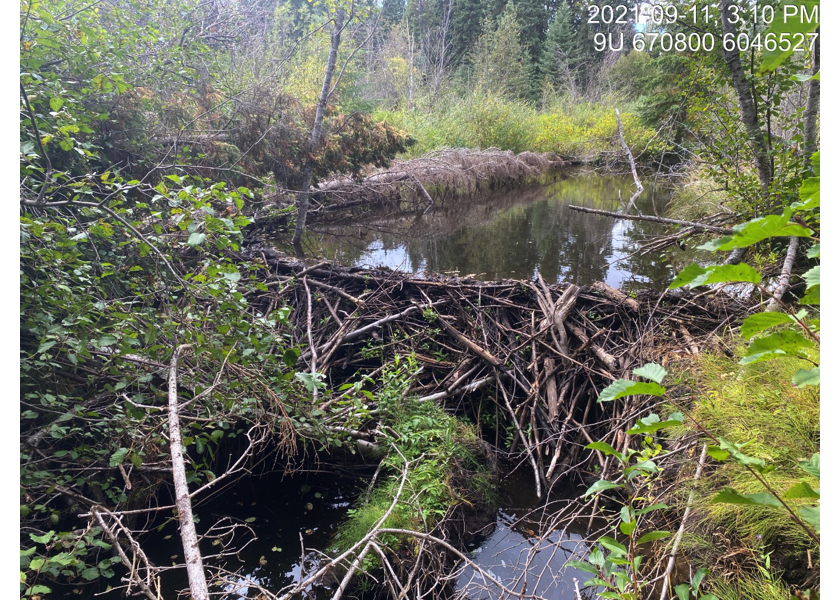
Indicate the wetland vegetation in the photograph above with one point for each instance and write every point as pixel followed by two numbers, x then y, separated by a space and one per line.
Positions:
pixel 369 299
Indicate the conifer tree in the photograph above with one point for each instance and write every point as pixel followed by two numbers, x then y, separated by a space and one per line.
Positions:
pixel 500 60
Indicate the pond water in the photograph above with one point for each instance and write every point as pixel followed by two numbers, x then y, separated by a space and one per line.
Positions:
pixel 524 547
pixel 510 234
pixel 293 520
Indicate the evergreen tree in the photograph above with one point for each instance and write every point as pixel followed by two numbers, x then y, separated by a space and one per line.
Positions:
pixel 466 26
pixel 565 57
pixel 500 60
pixel 533 18
pixel 392 12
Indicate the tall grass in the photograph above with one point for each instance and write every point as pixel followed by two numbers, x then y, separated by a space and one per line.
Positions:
pixel 755 405
pixel 573 130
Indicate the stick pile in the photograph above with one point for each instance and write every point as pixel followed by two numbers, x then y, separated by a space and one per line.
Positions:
pixel 540 352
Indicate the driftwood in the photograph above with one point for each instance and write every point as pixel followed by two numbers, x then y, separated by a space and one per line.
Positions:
pixel 653 219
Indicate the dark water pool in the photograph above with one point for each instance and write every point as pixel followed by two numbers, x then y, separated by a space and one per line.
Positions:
pixel 513 234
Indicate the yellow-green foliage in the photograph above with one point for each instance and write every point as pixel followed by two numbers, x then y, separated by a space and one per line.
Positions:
pixel 700 196
pixel 753 587
pixel 756 404
pixel 581 130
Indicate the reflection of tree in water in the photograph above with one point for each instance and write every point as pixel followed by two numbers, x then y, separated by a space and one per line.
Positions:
pixel 509 235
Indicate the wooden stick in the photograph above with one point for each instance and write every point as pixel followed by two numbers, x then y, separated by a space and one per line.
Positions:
pixel 615 295
pixel 189 539
pixel 673 559
pixel 469 343
pixel 652 219
pixel 639 187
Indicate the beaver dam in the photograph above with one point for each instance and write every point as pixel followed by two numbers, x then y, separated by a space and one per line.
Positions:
pixel 524 359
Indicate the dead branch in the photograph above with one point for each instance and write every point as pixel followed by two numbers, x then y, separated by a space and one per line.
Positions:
pixel 189 539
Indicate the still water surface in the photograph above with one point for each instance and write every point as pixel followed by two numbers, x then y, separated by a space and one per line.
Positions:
pixel 510 234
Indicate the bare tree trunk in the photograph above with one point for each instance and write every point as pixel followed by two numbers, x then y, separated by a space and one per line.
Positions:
pixel 746 102
pixel 784 279
pixel 315 140
pixel 189 538
pixel 812 109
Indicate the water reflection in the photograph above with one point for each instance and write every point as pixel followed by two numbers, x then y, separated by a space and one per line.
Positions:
pixel 522 553
pixel 510 234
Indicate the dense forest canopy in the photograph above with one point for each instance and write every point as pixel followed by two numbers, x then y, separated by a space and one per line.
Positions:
pixel 155 134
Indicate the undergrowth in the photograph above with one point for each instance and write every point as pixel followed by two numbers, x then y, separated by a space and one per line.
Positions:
pixel 445 468
pixel 581 130
pixel 754 404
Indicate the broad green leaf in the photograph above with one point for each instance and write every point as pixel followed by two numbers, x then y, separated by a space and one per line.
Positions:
pixel 652 507
pixel 752 232
pixel 811 515
pixel 730 496
pixel 56 104
pixel 687 275
pixel 805 377
pixel 761 321
pixel 781 343
pixel 812 277
pixel 805 21
pixel 716 274
pixel 597 558
pixel 812 465
pixel 718 453
pixel 682 591
pixel 613 545
pixel 627 528
pixel 611 596
pixel 600 486
pixel 651 371
pixel 90 573
pixel 106 340
pixel 652 423
pixel 117 457
pixel 46 346
pixel 595 581
pixel 813 251
pixel 809 195
pixel 802 490
pixel 811 297
pixel 653 535
pixel 42 539
pixel 583 566
pixel 290 357
pixel 647 466
pixel 606 449
pixel 744 459
pixel 698 578
pixel 623 387
pixel 196 239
